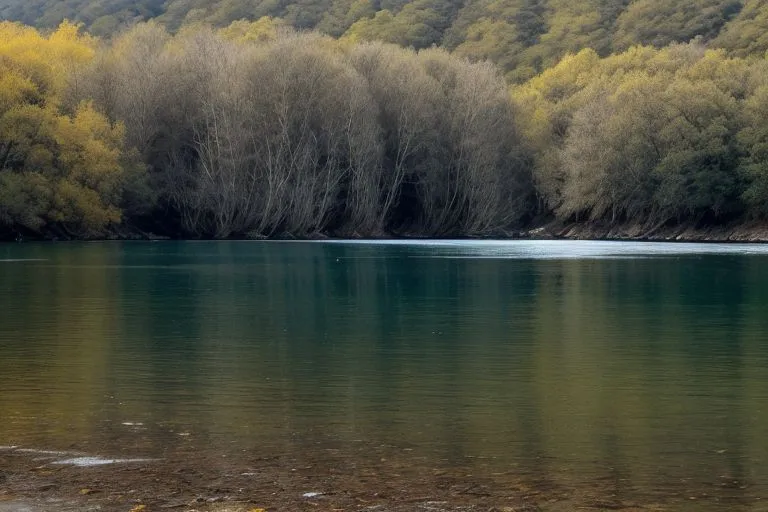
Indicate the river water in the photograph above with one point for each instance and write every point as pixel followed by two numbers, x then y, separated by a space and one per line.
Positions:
pixel 640 369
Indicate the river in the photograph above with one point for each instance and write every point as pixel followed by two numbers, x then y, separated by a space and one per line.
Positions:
pixel 636 370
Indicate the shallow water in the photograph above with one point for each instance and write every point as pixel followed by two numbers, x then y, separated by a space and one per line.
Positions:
pixel 633 368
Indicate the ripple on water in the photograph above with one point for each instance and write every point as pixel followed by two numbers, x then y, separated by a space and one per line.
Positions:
pixel 85 462
pixel 73 458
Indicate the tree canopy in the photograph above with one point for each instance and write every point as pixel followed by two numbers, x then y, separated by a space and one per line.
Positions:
pixel 522 36
pixel 58 165
pixel 256 129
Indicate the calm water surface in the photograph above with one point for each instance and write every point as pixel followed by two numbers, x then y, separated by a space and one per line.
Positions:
pixel 645 365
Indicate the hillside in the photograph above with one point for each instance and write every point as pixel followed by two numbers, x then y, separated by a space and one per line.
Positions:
pixel 522 36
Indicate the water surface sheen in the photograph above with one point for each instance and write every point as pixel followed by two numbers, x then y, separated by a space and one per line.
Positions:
pixel 577 363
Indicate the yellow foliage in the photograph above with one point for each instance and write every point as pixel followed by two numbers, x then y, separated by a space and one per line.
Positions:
pixel 55 167
pixel 14 89
pixel 242 31
pixel 45 61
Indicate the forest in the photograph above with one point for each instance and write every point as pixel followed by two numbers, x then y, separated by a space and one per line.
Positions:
pixel 523 37
pixel 488 118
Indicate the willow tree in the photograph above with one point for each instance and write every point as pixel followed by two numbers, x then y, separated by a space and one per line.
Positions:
pixel 477 178
pixel 405 98
pixel 314 127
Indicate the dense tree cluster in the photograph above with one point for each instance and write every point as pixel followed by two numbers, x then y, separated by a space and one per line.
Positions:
pixel 298 134
pixel 256 130
pixel 522 36
pixel 650 136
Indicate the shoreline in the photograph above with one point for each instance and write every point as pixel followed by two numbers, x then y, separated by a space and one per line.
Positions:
pixel 753 233
pixel 199 482
pixel 35 482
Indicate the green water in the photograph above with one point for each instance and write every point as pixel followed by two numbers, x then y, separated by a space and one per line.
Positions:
pixel 579 363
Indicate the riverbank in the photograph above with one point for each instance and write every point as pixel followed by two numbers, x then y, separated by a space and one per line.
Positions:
pixel 752 232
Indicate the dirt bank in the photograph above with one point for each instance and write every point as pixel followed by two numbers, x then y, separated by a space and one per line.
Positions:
pixel 749 232
pixel 735 232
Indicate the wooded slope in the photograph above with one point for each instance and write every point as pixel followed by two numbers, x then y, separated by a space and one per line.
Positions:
pixel 254 131
pixel 522 36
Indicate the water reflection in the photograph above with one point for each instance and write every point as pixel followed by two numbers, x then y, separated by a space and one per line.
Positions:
pixel 645 374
